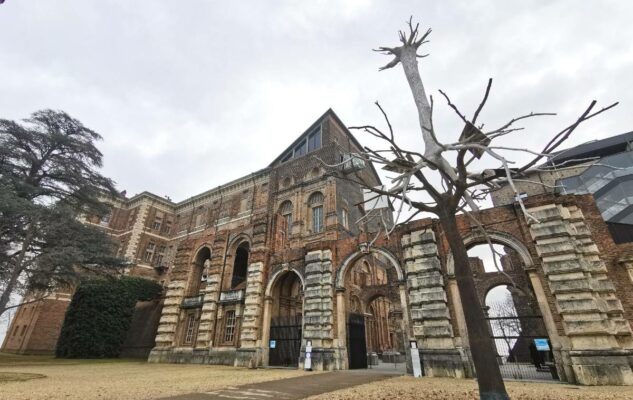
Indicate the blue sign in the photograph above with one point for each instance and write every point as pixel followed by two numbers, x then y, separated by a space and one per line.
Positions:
pixel 273 344
pixel 541 344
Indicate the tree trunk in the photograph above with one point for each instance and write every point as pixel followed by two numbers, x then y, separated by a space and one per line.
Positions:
pixel 17 270
pixel 482 348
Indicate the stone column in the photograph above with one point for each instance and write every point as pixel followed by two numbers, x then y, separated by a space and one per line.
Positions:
pixel 428 302
pixel 249 355
pixel 341 327
pixel 166 333
pixel 318 313
pixel 584 295
pixel 265 342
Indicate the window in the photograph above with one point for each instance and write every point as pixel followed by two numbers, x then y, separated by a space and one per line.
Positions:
pixel 23 330
pixel 315 202
pixel 149 252
pixel 309 143
pixel 167 227
pixel 314 140
pixel 286 214
pixel 240 265
pixel 191 327
pixel 15 330
pixel 300 149
pixel 160 255
pixel 105 219
pixel 344 219
pixel 229 326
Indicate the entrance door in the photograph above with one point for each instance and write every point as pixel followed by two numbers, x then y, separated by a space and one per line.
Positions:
pixel 285 341
pixel 356 347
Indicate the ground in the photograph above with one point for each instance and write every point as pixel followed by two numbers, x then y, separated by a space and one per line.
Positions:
pixel 409 388
pixel 117 379
pixel 37 378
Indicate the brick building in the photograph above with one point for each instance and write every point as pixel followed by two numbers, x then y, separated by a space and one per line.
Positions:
pixel 257 268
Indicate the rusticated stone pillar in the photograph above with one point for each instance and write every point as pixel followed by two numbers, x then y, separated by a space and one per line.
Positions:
pixel 249 355
pixel 585 296
pixel 430 316
pixel 318 311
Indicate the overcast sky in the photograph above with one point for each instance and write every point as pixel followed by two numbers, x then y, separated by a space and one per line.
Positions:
pixel 192 94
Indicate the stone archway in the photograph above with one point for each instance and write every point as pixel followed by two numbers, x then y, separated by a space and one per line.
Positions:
pixel 395 279
pixel 281 286
pixel 529 287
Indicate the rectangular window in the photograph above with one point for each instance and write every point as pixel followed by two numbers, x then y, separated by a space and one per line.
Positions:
pixel 314 140
pixel 23 330
pixel 300 149
pixel 149 252
pixel 317 219
pixel 191 327
pixel 288 218
pixel 167 227
pixel 160 256
pixel 344 218
pixel 229 326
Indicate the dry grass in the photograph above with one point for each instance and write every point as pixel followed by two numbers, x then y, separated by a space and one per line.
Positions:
pixel 104 379
pixel 404 388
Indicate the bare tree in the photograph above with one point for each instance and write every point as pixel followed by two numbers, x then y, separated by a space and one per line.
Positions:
pixel 505 322
pixel 440 179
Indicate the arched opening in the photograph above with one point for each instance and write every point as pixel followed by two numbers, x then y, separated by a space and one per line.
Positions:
pixel 286 320
pixel 201 265
pixel 514 319
pixel 375 326
pixel 191 305
pixel 240 266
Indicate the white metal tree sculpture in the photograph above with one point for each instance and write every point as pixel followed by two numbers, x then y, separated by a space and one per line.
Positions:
pixel 445 173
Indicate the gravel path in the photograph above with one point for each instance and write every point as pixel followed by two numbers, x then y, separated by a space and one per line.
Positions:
pixel 128 380
pixel 408 388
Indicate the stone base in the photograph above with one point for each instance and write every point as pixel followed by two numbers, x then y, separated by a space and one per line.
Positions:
pixel 445 362
pixel 602 367
pixel 322 359
pixel 183 355
pixel 249 358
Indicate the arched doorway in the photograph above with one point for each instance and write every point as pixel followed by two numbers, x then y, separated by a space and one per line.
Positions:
pixel 286 320
pixel 375 328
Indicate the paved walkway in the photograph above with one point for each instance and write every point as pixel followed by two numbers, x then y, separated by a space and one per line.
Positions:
pixel 291 388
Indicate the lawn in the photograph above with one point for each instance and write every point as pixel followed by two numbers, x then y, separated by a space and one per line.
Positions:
pixel 116 379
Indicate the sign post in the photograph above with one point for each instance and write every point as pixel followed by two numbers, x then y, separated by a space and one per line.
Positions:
pixel 415 359
pixel 307 363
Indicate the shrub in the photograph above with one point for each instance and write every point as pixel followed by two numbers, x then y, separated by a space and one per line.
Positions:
pixel 99 316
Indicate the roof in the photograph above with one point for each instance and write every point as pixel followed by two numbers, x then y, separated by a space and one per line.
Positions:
pixel 595 148
pixel 332 114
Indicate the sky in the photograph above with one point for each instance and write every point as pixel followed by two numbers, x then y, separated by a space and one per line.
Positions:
pixel 189 95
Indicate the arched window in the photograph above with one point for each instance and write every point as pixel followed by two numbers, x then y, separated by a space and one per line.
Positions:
pixel 286 214
pixel 240 265
pixel 315 203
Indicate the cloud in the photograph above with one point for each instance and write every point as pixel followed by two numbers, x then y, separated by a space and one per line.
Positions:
pixel 190 96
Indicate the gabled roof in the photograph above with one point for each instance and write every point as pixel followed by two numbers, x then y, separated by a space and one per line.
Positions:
pixel 328 113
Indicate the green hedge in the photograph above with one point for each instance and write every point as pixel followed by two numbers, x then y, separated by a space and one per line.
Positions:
pixel 99 316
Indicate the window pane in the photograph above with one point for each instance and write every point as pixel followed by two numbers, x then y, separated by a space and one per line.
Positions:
pixel 300 149
pixel 229 327
pixel 317 219
pixel 314 140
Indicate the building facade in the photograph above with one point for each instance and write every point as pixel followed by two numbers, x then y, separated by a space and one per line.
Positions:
pixel 257 269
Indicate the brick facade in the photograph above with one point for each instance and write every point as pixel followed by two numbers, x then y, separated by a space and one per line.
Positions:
pixel 247 229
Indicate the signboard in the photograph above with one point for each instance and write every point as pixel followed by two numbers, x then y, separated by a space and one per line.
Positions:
pixel 541 344
pixel 415 359
pixel 273 344
pixel 307 363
